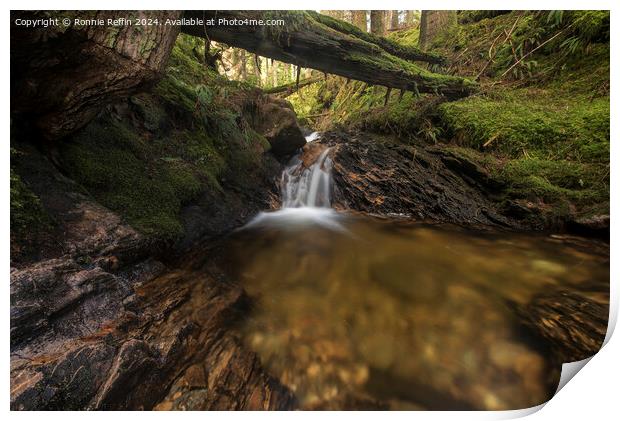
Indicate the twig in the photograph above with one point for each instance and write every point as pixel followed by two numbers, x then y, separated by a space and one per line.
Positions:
pixel 526 55
pixel 514 25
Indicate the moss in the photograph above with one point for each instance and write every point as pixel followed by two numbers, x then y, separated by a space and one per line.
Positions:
pixel 27 214
pixel 547 138
pixel 408 37
pixel 108 160
pixel 532 122
pixel 168 148
pixel 552 181
pixel 404 50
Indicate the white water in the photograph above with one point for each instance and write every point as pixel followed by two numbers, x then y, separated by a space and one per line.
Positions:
pixel 312 137
pixel 306 196
pixel 309 187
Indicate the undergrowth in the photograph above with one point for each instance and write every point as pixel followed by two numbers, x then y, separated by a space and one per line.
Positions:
pixel 541 117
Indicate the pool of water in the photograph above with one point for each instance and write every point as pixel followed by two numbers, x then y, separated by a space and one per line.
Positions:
pixel 357 312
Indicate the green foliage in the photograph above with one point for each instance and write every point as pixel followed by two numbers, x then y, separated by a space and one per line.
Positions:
pixel 582 184
pixel 27 214
pixel 408 37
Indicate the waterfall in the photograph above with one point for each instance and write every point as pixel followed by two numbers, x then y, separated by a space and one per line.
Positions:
pixel 307 187
pixel 306 196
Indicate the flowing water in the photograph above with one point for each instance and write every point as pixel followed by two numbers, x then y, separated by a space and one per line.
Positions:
pixel 358 312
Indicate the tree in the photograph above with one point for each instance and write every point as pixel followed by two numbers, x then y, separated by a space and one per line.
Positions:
pixel 344 15
pixel 359 19
pixel 412 18
pixel 377 22
pixel 394 14
pixel 433 23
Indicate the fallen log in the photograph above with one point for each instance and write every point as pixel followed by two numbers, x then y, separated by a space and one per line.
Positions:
pixel 290 88
pixel 306 41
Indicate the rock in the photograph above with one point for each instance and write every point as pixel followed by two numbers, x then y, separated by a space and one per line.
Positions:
pixel 572 324
pixel 311 152
pixel 388 179
pixel 596 225
pixel 167 347
pixel 278 123
pixel 96 325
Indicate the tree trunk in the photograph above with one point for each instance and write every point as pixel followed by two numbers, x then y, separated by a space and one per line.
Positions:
pixel 106 63
pixel 243 65
pixel 433 23
pixel 359 19
pixel 343 15
pixel 290 88
pixel 274 73
pixel 394 20
pixel 412 18
pixel 377 22
pixel 347 52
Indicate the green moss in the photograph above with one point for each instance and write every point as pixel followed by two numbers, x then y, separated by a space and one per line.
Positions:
pixel 177 143
pixel 408 37
pixel 552 181
pixel 108 159
pixel 389 44
pixel 27 213
pixel 532 122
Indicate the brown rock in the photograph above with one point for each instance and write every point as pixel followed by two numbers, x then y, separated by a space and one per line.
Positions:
pixel 278 123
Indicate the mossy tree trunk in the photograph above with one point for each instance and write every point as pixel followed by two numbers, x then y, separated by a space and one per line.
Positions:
pixel 65 75
pixel 311 40
pixel 433 23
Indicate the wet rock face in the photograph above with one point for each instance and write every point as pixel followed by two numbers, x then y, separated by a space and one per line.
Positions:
pixel 419 182
pixel 80 70
pixel 278 123
pixel 85 338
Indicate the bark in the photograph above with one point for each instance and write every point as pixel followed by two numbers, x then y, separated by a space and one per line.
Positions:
pixel 359 19
pixel 394 20
pixel 309 45
pixel 78 70
pixel 433 23
pixel 243 69
pixel 377 22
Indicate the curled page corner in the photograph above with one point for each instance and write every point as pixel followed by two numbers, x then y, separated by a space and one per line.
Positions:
pixel 569 370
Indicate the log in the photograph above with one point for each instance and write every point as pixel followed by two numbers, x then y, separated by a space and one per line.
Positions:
pixel 290 88
pixel 306 41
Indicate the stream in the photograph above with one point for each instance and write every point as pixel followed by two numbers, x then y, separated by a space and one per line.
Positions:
pixel 351 311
